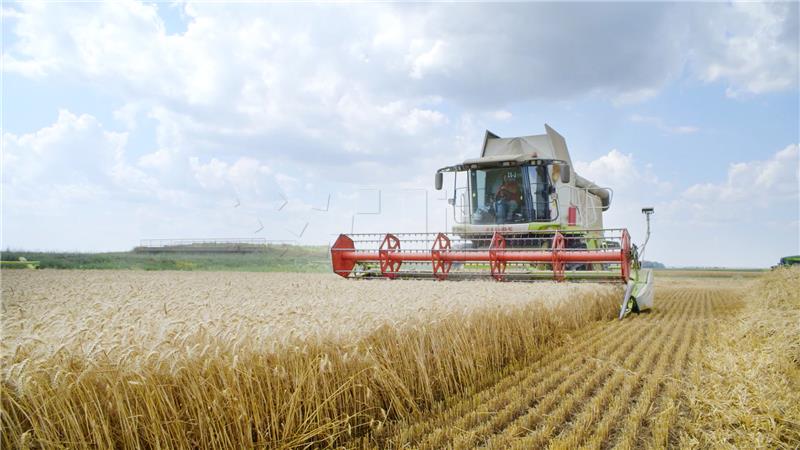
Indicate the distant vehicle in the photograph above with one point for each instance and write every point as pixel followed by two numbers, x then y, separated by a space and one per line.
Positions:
pixel 788 261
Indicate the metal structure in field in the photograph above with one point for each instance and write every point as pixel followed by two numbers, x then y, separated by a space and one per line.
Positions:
pixel 521 213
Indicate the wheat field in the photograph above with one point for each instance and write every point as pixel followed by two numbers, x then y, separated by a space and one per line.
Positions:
pixel 92 311
pixel 120 359
pixel 187 359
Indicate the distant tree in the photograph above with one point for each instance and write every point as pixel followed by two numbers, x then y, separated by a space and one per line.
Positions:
pixel 653 265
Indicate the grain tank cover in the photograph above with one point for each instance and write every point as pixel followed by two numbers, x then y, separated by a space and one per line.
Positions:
pixel 550 145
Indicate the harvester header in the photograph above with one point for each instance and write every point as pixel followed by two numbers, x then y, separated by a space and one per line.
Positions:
pixel 509 256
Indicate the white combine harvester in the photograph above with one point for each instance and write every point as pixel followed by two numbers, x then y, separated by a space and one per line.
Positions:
pixel 522 214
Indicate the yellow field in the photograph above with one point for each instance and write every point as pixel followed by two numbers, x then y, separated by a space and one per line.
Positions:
pixel 725 274
pixel 137 359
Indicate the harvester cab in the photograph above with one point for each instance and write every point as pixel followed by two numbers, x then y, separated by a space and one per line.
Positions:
pixel 524 184
pixel 521 213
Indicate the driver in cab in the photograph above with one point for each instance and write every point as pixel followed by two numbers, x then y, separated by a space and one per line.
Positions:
pixel 507 199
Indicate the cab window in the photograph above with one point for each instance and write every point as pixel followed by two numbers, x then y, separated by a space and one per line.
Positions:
pixel 497 196
pixel 540 188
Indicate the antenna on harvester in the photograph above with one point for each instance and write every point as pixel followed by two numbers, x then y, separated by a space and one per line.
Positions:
pixel 647 212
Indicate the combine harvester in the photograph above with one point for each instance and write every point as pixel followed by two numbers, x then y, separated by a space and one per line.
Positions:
pixel 522 214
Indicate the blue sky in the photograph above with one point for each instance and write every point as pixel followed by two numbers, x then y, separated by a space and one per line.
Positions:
pixel 124 121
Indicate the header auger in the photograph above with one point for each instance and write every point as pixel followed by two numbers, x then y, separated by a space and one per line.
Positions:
pixel 521 214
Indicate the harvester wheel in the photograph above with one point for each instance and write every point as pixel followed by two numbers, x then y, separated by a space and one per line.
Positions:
pixel 628 302
pixel 628 308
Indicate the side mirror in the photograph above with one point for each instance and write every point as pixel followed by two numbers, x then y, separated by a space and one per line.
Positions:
pixel 439 180
pixel 565 173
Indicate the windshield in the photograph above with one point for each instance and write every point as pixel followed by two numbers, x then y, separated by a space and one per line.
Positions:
pixel 509 195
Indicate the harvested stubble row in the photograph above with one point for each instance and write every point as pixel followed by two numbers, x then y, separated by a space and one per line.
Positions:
pixel 589 368
pixel 745 387
pixel 234 360
pixel 698 371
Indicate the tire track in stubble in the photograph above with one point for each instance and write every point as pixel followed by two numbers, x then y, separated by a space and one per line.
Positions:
pixel 582 361
pixel 656 429
pixel 581 423
pixel 652 382
pixel 615 411
pixel 586 374
pixel 473 412
pixel 525 395
pixel 615 384
pixel 656 432
pixel 641 357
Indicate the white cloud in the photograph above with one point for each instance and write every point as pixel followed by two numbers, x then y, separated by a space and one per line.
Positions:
pixel 264 81
pixel 501 115
pixel 608 170
pixel 419 119
pixel 77 157
pixel 127 114
pixel 211 175
pixel 160 159
pixel 753 184
pixel 749 186
pixel 430 60
pixel 621 171
pixel 747 220
pixel 357 95
pixel 245 175
pixel 74 160
pixel 752 46
pixel 637 96
pixel 661 125
pixel 76 175
pixel 635 184
pixel 74 147
pixel 267 63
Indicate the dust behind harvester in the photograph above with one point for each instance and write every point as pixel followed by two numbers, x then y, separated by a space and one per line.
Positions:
pixel 521 213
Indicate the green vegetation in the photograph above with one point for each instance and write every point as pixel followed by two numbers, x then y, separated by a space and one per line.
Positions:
pixel 21 263
pixel 653 265
pixel 275 258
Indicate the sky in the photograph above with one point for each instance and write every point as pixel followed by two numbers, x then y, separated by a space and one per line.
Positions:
pixel 125 120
